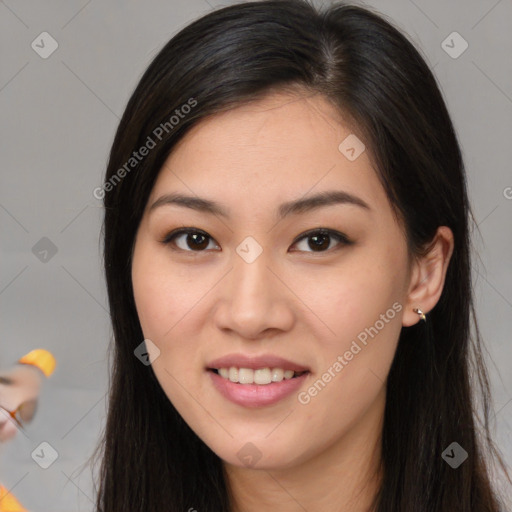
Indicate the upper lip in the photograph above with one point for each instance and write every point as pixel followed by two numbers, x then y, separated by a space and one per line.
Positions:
pixel 255 362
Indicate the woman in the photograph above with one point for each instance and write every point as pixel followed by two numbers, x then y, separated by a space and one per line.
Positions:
pixel 288 269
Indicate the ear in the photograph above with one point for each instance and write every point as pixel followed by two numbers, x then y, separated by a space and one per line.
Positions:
pixel 428 275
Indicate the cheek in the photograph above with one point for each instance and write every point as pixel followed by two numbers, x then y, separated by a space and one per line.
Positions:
pixel 167 300
pixel 363 309
pixel 163 293
pixel 362 305
pixel 352 297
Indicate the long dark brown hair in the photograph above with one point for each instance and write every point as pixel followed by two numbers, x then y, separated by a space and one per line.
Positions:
pixel 150 459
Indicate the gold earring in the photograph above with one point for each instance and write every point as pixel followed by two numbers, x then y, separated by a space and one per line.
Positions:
pixel 422 315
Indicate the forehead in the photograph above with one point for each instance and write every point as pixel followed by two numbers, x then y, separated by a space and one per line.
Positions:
pixel 272 149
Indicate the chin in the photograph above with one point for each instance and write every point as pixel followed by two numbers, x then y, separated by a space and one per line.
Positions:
pixel 259 454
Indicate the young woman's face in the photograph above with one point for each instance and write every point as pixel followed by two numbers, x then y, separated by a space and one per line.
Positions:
pixel 258 287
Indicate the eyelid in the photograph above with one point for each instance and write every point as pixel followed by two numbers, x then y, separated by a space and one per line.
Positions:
pixel 341 238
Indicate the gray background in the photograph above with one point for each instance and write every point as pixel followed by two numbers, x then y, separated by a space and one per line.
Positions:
pixel 58 118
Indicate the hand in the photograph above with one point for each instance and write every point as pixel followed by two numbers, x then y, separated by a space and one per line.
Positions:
pixel 17 385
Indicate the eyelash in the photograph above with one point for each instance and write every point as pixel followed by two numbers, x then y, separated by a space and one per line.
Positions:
pixel 342 239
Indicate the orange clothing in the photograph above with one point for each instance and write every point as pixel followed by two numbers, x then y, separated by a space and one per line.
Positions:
pixel 8 503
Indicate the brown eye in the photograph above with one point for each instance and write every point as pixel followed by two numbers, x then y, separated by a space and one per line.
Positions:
pixel 189 240
pixel 320 240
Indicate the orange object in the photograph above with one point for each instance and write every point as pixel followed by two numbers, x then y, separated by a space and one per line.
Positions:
pixel 41 358
pixel 8 503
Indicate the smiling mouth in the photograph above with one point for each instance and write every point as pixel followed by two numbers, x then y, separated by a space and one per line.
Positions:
pixel 260 376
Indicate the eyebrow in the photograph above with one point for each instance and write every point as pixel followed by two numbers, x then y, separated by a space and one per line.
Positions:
pixel 298 206
pixel 6 381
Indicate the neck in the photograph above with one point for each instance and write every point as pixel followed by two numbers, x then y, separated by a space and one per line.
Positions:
pixel 344 477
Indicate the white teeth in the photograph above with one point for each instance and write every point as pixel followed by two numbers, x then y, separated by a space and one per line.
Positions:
pixel 233 374
pixel 277 374
pixel 245 376
pixel 260 376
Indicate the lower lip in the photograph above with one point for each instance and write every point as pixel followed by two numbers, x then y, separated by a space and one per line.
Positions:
pixel 256 395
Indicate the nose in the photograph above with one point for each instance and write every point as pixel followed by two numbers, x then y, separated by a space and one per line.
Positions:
pixel 254 300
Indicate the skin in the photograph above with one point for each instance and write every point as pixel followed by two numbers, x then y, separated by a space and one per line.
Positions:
pixel 304 305
pixel 17 385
